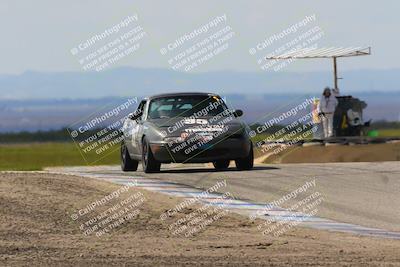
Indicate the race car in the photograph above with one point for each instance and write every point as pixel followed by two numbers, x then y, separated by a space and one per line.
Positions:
pixel 185 128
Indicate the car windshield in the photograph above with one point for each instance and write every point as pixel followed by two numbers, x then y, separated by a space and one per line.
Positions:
pixel 186 106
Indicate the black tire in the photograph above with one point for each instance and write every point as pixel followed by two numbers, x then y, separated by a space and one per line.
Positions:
pixel 149 163
pixel 221 164
pixel 127 164
pixel 247 162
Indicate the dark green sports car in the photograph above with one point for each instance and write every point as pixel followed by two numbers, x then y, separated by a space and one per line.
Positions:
pixel 185 128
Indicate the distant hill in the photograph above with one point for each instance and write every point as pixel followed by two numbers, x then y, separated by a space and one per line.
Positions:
pixel 41 101
pixel 46 114
pixel 127 81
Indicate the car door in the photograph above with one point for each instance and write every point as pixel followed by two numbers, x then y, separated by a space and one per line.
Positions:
pixel 131 128
pixel 138 133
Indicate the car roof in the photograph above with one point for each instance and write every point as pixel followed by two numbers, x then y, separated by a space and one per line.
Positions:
pixel 180 94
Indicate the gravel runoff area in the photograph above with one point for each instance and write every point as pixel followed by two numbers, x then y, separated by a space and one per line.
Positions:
pixel 37 228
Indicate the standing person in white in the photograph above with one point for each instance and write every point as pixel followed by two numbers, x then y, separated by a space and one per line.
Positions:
pixel 326 109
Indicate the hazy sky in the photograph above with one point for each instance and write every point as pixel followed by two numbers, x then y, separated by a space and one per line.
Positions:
pixel 38 35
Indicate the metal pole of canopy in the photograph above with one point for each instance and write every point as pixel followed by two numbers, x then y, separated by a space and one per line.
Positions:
pixel 335 78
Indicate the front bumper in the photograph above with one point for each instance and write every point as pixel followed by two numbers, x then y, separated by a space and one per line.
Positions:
pixel 228 149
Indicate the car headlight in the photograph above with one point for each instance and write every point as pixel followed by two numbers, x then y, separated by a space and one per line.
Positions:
pixel 174 139
pixel 177 139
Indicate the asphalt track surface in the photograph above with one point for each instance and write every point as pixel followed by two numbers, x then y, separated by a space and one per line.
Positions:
pixel 354 194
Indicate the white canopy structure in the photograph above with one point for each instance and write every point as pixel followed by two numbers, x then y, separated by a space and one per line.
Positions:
pixel 327 52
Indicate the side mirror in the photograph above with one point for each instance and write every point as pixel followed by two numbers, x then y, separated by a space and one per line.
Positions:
pixel 134 116
pixel 238 113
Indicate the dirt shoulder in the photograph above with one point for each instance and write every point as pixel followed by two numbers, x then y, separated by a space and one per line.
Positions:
pixel 37 228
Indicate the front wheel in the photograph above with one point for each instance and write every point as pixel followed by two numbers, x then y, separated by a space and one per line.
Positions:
pixel 149 163
pixel 221 164
pixel 247 162
pixel 127 163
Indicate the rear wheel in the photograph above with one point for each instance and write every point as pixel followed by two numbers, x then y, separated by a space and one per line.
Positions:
pixel 127 164
pixel 221 164
pixel 149 163
pixel 247 162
